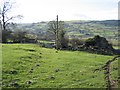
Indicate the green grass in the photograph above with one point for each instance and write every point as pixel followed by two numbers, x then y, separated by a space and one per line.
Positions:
pixel 29 65
pixel 46 42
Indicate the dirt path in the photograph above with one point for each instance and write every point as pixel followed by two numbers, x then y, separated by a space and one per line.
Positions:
pixel 110 84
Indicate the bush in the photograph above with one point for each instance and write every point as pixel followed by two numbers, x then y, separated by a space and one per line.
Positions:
pixel 98 45
pixel 64 43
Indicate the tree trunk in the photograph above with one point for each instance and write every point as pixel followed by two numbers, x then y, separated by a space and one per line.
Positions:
pixel 57 46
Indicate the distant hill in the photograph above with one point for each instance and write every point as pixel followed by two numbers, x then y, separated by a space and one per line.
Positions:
pixel 76 28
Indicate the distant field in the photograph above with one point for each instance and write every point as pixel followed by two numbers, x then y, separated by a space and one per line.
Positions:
pixel 29 65
pixel 76 28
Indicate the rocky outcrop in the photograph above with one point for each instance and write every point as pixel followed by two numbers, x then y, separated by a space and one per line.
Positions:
pixel 99 45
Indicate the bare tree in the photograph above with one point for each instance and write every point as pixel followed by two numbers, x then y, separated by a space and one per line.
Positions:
pixel 5 19
pixel 7 6
pixel 57 28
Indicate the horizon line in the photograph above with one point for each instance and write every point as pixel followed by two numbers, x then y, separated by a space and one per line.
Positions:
pixel 68 20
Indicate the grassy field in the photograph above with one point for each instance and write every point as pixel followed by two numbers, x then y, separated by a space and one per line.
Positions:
pixel 29 65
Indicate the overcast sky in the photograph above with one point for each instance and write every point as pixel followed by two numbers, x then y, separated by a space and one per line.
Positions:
pixel 46 10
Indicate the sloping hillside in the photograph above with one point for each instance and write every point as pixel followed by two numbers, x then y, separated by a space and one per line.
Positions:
pixel 29 65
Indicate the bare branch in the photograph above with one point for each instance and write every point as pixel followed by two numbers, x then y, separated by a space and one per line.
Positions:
pixel 13 17
pixel 7 6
